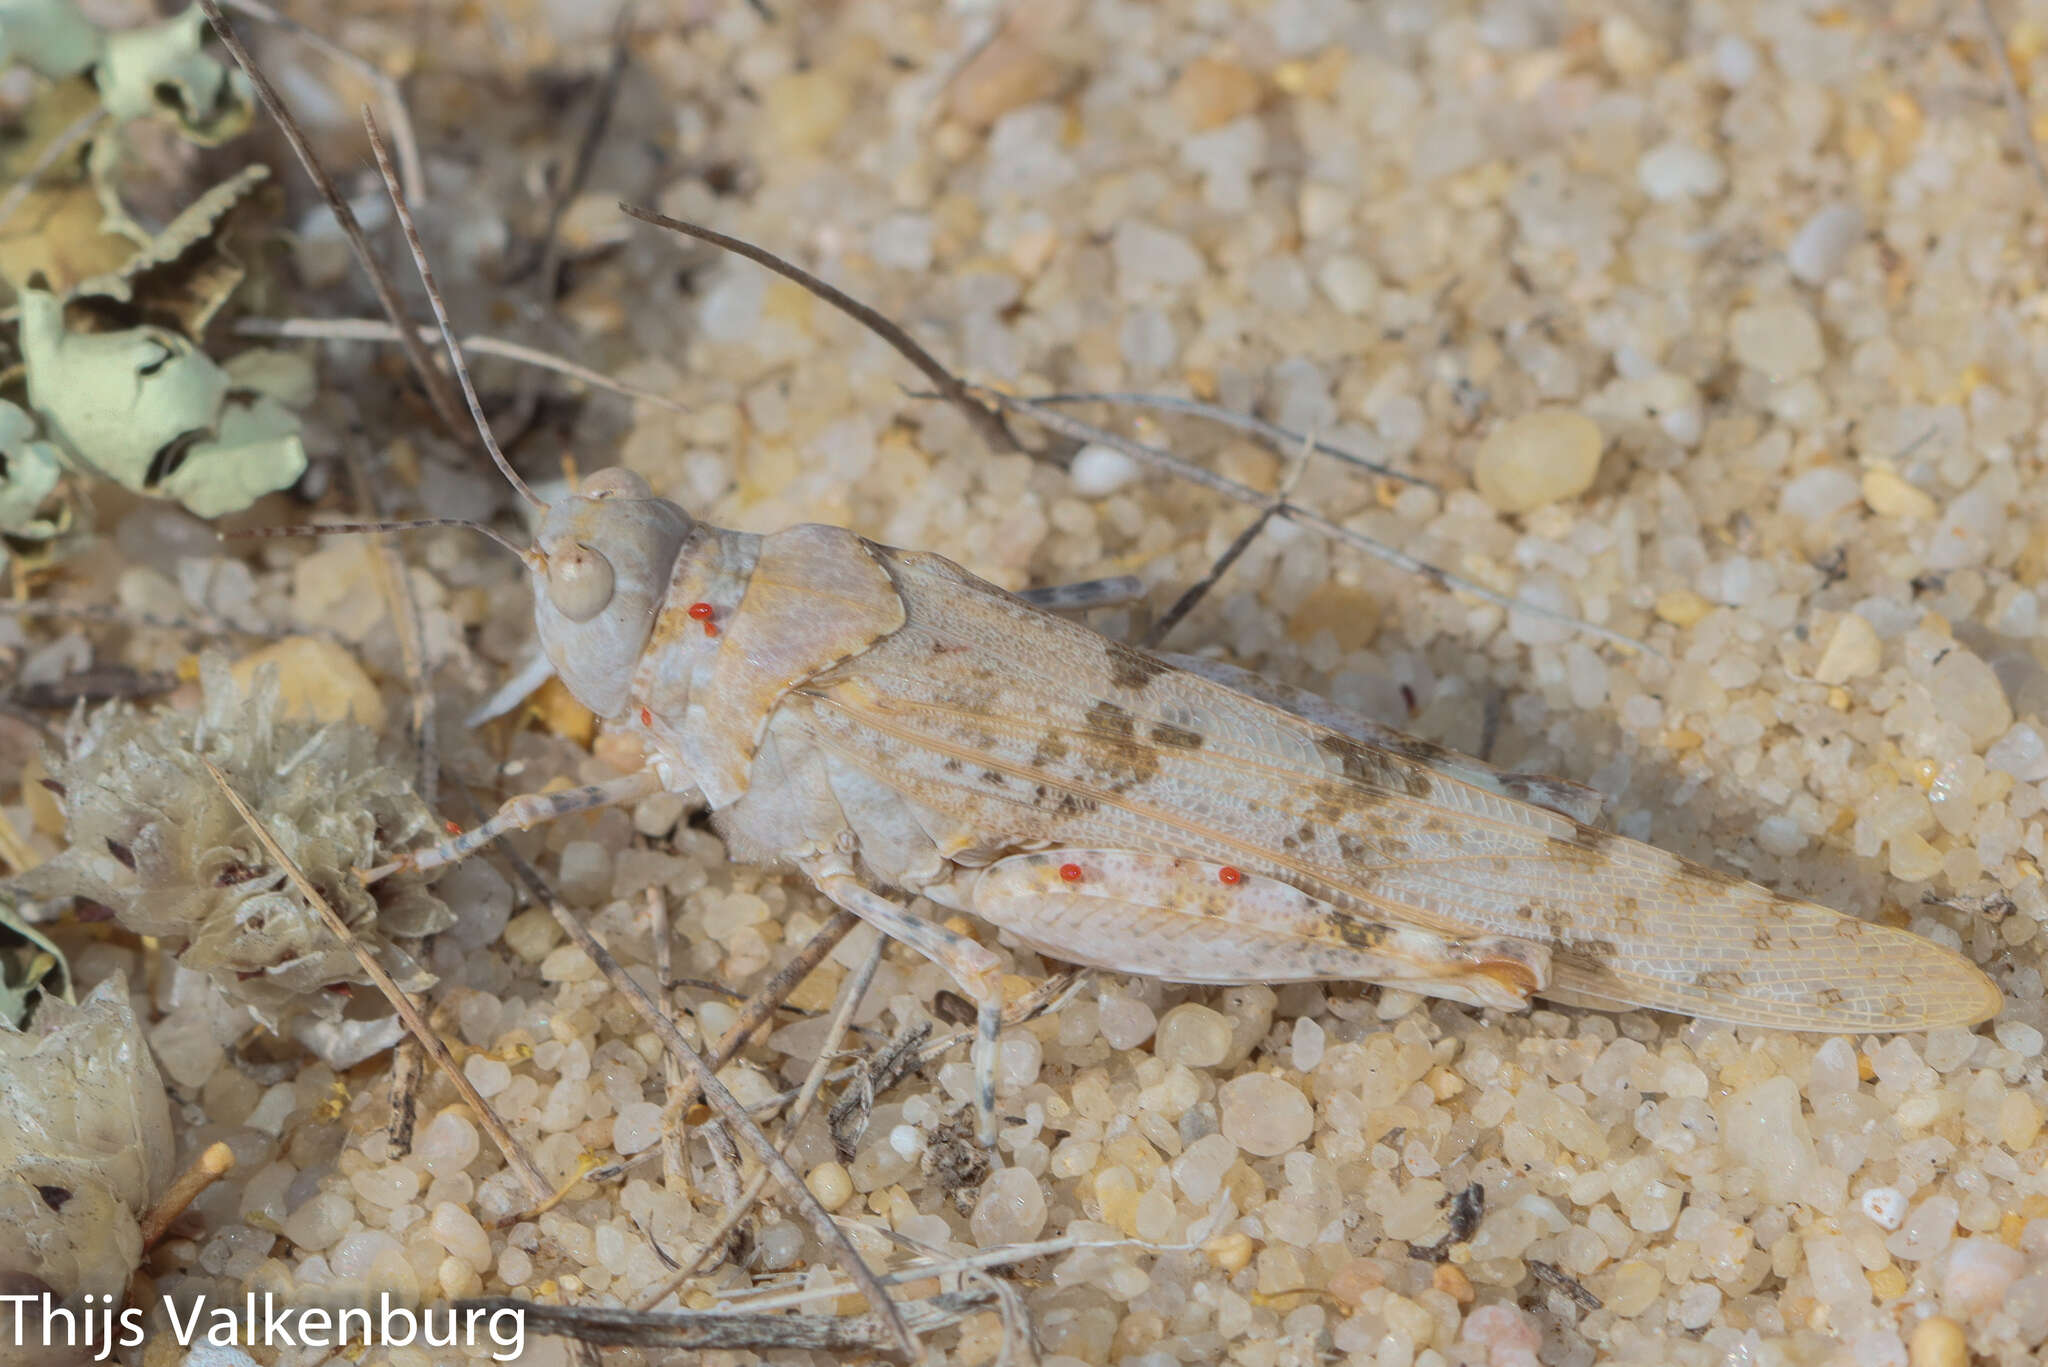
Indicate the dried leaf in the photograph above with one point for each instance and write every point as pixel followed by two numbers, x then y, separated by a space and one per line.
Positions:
pixel 152 837
pixel 88 1143
pixel 186 273
pixel 60 231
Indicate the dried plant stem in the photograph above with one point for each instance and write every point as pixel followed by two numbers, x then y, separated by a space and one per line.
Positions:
pixel 438 392
pixel 728 1106
pixel 403 604
pixel 75 132
pixel 204 624
pixel 212 1165
pixel 1239 544
pixel 376 330
pixel 703 1330
pixel 1159 458
pixel 986 421
pixel 2015 101
pixel 1274 434
pixel 850 996
pixel 409 162
pixel 419 260
pixel 515 1155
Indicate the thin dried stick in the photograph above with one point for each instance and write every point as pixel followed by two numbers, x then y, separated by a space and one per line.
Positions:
pixel 75 132
pixel 435 382
pixel 515 1156
pixel 702 1330
pixel 387 89
pixel 434 301
pixel 205 624
pixel 217 1162
pixel 396 587
pixel 725 1103
pixel 546 259
pixel 1273 433
pixel 850 996
pixel 375 330
pixel 1155 456
pixel 770 1298
pixel 2015 102
pixel 1239 544
pixel 985 420
pixel 753 1014
pixel 675 1170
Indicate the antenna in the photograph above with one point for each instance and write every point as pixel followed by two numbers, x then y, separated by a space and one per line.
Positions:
pixel 405 525
pixel 419 260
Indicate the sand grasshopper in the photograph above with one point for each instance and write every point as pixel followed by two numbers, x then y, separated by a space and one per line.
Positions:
pixel 893 727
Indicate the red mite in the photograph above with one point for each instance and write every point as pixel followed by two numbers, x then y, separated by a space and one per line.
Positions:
pixel 646 717
pixel 1230 875
pixel 703 612
pixel 452 827
pixel 1071 872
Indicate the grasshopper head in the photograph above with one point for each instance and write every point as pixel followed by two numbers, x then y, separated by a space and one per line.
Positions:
pixel 601 566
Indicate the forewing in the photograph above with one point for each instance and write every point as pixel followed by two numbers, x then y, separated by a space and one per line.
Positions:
pixel 979 694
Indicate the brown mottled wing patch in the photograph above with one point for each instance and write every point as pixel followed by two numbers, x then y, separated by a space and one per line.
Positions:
pixel 1386 836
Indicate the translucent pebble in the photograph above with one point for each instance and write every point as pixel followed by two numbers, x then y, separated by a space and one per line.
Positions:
pixel 487 1075
pixel 1886 1206
pixel 1697 1305
pixel 315 1225
pixel 1765 1126
pixel 1509 1335
pixel 1199 1170
pixel 1927 1230
pixel 1125 1022
pixel 1017 1061
pixel 1822 241
pixel 355 1255
pixel 637 1127
pixel 1780 835
pixel 1263 1115
pixel 1852 650
pixel 778 1245
pixel 1011 1210
pixel 585 876
pixel 1192 1035
pixel 388 1187
pixel 1819 493
pixel 1307 1045
pixel 1779 339
pixel 2021 752
pixel 1979 1271
pixel 907 1140
pixel 1735 60
pixel 2026 1301
pixel 1349 283
pixel 1099 471
pixel 515 1265
pixel 831 1184
pixel 1837 1276
pixel 1539 458
pixel 461 1235
pixel 1674 170
pixel 449 1143
pixel 2018 1036
pixel 1968 694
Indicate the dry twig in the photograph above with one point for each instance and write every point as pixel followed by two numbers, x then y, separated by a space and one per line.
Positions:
pixel 702 1330
pixel 515 1154
pixel 985 419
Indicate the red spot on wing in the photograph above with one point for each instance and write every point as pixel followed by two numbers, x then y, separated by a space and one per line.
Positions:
pixel 1230 875
pixel 1070 872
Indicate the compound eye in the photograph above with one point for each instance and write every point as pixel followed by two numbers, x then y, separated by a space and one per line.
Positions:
pixel 616 482
pixel 579 582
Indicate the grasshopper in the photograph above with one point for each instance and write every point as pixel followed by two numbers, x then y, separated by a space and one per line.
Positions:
pixel 893 727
